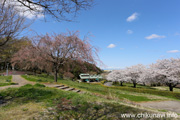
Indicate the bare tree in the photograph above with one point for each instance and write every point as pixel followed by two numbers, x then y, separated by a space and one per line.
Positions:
pixel 58 9
pixel 11 24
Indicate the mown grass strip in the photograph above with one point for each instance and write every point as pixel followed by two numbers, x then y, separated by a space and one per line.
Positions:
pixel 6 80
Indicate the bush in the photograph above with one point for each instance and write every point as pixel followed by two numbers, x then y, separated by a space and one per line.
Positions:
pixel 68 75
pixel 8 80
pixel 103 81
pixel 39 85
pixel 29 92
pixel 39 80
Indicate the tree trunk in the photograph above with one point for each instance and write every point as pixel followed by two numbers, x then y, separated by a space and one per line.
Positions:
pixel 144 83
pixel 34 71
pixel 55 75
pixel 134 84
pixel 121 83
pixel 170 87
pixel 55 72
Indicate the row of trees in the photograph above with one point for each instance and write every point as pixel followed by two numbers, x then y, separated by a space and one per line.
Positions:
pixel 10 48
pixel 72 69
pixel 52 52
pixel 163 72
pixel 13 20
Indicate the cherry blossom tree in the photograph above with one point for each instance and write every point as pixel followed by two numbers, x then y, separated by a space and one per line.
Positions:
pixel 166 71
pixel 118 76
pixel 169 71
pixel 57 49
pixel 28 59
pixel 134 73
pixel 150 76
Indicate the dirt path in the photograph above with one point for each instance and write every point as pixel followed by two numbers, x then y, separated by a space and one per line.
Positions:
pixel 173 106
pixel 108 83
pixel 19 80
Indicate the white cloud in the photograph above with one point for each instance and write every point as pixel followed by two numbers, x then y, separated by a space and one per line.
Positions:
pixel 129 32
pixel 173 51
pixel 24 11
pixel 132 17
pixel 111 46
pixel 154 36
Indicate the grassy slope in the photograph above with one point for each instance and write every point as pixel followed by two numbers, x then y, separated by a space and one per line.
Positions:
pixel 141 93
pixel 35 102
pixel 99 102
pixel 5 80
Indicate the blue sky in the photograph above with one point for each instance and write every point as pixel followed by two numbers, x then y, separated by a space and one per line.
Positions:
pixel 127 32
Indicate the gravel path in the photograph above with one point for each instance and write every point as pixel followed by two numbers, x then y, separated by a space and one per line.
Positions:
pixel 19 80
pixel 173 106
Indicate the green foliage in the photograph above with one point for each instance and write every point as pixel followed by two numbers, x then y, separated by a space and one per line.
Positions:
pixel 76 68
pixel 103 81
pixel 11 48
pixel 39 85
pixel 28 92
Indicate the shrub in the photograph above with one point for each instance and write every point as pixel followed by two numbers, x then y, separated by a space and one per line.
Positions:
pixel 8 80
pixel 39 80
pixel 103 81
pixel 39 85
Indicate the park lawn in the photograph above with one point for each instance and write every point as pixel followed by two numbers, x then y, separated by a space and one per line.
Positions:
pixel 118 93
pixel 39 102
pixel 164 88
pixel 5 80
pixel 131 85
pixel 39 78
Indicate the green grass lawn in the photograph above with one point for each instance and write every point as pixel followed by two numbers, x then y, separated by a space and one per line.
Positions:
pixel 125 93
pixel 163 88
pixel 5 80
pixel 39 78
pixel 98 102
pixel 39 102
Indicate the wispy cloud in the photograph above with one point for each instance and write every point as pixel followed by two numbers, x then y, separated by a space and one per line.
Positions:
pixel 129 32
pixel 25 11
pixel 177 34
pixel 111 46
pixel 155 36
pixel 132 17
pixel 173 51
pixel 111 68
